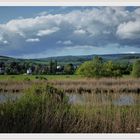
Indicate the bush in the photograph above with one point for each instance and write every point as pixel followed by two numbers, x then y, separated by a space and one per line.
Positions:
pixel 136 69
pixel 91 68
pixel 69 69
pixel 40 110
pixel 85 69
pixel 98 68
pixel 112 69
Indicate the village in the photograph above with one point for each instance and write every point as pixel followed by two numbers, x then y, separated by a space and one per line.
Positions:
pixel 15 68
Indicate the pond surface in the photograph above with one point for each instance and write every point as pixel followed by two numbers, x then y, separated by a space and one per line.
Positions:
pixel 103 99
pixel 9 96
pixel 85 99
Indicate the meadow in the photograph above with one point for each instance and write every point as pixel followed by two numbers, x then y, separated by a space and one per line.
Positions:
pixel 70 104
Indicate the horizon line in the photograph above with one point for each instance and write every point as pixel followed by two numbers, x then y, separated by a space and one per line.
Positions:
pixel 133 53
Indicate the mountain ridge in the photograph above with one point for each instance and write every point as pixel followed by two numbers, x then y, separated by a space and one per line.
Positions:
pixel 76 59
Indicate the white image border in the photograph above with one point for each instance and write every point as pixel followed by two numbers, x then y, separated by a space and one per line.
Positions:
pixel 69 136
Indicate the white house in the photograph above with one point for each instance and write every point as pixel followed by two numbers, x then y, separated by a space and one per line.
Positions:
pixel 29 71
pixel 59 67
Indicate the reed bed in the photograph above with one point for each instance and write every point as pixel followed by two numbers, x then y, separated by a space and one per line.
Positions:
pixel 103 85
pixel 47 109
pixel 12 86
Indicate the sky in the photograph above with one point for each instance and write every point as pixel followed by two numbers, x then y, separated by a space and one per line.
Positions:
pixel 40 32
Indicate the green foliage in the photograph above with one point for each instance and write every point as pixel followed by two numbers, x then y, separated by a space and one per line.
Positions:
pixel 98 68
pixel 53 67
pixel 91 68
pixel 69 69
pixel 136 69
pixel 112 69
pixel 85 69
pixel 45 109
pixel 40 110
pixel 14 68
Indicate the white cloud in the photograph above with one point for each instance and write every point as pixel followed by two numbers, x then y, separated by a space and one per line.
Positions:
pixel 93 21
pixel 47 31
pixel 82 27
pixel 80 32
pixel 129 30
pixel 137 11
pixel 67 42
pixel 77 47
pixel 130 52
pixel 44 13
pixel 30 26
pixel 59 42
pixel 33 40
pixel 3 41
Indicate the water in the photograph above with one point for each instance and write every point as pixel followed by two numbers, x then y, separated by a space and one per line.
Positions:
pixel 76 99
pixel 124 100
pixel 103 99
pixel 84 99
pixel 4 97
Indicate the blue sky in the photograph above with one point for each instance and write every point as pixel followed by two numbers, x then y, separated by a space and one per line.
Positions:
pixel 38 32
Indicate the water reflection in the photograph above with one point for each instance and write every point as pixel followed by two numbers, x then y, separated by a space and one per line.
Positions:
pixel 124 100
pixel 85 99
pixel 9 96
pixel 95 99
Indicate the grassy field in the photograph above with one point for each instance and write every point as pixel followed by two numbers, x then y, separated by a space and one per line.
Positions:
pixel 35 77
pixel 71 83
pixel 46 108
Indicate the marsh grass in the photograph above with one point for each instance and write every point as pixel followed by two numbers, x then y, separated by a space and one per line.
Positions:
pixel 36 111
pixel 45 108
pixel 103 85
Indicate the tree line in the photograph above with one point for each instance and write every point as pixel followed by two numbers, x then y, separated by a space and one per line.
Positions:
pixel 15 68
pixel 97 68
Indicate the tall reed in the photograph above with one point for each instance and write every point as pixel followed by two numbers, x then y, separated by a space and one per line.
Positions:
pixel 46 109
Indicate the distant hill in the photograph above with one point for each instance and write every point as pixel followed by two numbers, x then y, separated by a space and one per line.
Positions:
pixel 83 58
pixel 76 59
pixel 5 58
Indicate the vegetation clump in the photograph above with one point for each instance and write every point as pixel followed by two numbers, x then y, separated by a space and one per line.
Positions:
pixel 69 69
pixel 98 68
pixel 37 111
pixel 136 69
pixel 46 109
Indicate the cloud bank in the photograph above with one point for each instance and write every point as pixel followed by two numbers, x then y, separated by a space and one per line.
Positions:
pixel 96 28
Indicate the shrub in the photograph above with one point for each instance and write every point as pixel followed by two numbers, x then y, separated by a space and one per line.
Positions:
pixel 37 111
pixel 136 69
pixel 98 68
pixel 69 69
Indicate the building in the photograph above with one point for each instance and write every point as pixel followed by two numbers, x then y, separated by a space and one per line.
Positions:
pixel 29 71
pixel 59 67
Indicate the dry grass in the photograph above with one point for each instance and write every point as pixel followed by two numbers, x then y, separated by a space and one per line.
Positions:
pixel 40 112
pixel 104 85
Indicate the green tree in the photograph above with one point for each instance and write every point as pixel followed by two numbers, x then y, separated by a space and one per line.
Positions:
pixel 108 68
pixel 53 67
pixel 86 69
pixel 69 69
pixel 98 68
pixel 50 66
pixel 136 69
pixel 112 69
pixel 92 68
